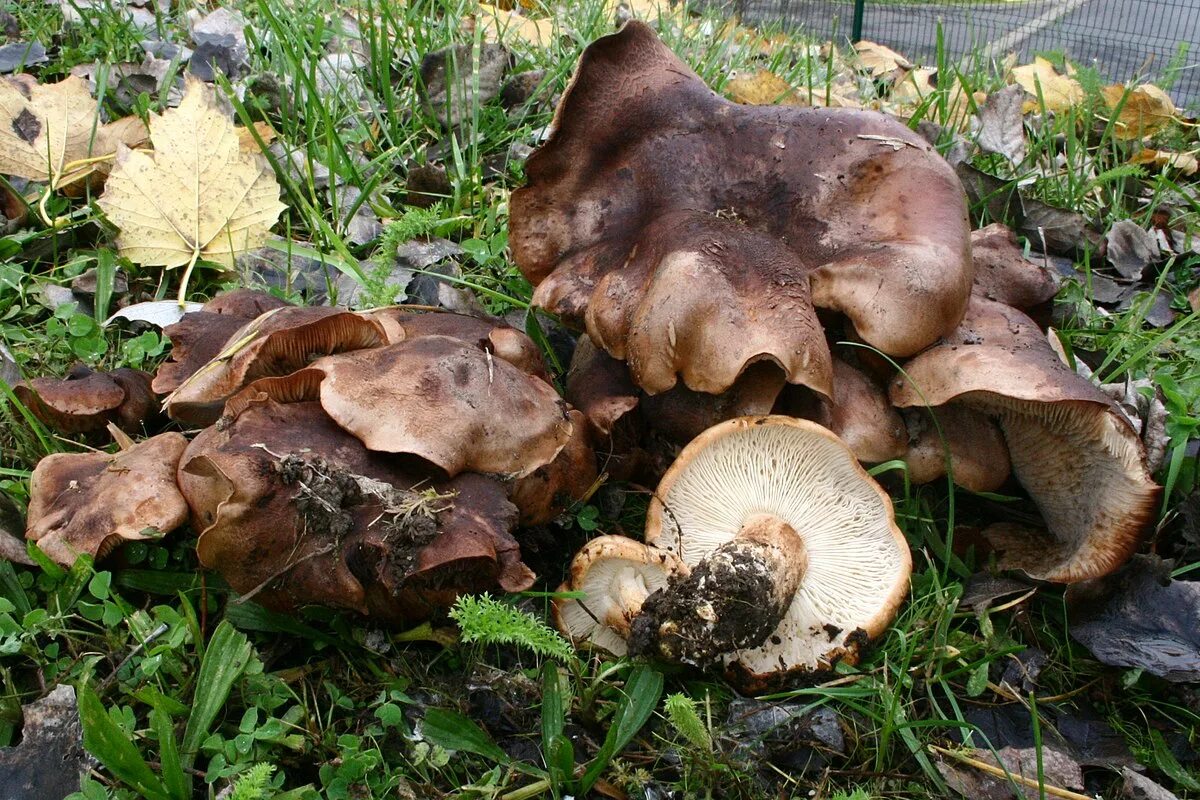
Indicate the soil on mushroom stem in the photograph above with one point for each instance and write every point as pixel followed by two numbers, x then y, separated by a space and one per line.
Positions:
pixel 741 612
pixel 326 496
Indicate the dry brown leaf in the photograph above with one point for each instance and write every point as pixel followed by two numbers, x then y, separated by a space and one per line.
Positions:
pixel 1146 110
pixel 1187 163
pixel 198 195
pixel 763 88
pixel 49 129
pixel 879 60
pixel 646 10
pixel 1194 299
pixel 916 88
pixel 504 26
pixel 246 138
pixel 1058 92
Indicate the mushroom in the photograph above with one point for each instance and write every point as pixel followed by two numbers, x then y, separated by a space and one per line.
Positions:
pixel 858 413
pixel 293 511
pixel 86 401
pixel 1003 274
pixel 615 575
pixel 977 454
pixel 546 492
pixel 684 231
pixel 276 343
pixel 1079 459
pixel 200 335
pixel 88 503
pixel 799 560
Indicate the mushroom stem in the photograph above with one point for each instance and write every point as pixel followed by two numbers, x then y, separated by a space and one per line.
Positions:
pixel 733 600
pixel 629 595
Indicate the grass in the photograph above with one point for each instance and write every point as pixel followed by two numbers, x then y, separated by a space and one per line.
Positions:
pixel 325 706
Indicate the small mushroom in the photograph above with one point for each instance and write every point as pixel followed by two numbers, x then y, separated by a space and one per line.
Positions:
pixel 803 559
pixel 277 342
pixel 692 236
pixel 199 336
pixel 977 453
pixel 546 492
pixel 1079 459
pixel 86 401
pixel 616 575
pixel 1003 274
pixel 88 503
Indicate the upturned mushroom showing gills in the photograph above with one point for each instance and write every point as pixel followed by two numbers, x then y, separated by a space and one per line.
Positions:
pixel 794 556
pixel 692 237
pixel 1079 459
pixel 615 575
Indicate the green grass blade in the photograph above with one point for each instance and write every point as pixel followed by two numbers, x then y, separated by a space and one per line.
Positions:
pixel 227 655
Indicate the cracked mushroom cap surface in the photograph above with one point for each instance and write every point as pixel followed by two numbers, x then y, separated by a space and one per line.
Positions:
pixel 295 511
pixel 655 204
pixel 858 561
pixel 277 342
pixel 615 574
pixel 92 502
pixel 85 401
pixel 1078 458
pixel 199 336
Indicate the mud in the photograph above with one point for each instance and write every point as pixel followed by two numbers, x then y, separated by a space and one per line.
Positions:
pixel 729 602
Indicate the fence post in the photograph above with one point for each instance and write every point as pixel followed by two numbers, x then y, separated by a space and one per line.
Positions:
pixel 856 32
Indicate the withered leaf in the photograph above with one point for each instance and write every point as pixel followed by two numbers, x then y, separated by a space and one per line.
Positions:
pixel 879 60
pixel 1002 124
pixel 1187 163
pixel 761 89
pixel 1131 248
pixel 198 195
pixel 1047 87
pixel 1144 110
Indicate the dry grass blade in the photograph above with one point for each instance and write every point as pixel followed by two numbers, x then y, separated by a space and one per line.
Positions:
pixel 997 772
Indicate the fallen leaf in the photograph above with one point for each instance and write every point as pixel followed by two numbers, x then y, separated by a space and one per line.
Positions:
pixel 647 10
pixel 1187 163
pixel 1194 299
pixel 763 88
pixel 1140 618
pixel 220 39
pixel 1041 79
pixel 506 26
pixel 879 60
pixel 50 760
pixel 12 532
pixel 21 55
pixel 1057 230
pixel 246 138
pixel 1144 110
pixel 1002 124
pixel 1139 787
pixel 449 87
pixel 49 129
pixel 159 313
pixel 198 195
pixel 1131 248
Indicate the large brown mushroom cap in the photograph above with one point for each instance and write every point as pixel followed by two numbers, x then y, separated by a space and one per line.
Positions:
pixel 199 336
pixel 1079 459
pixel 91 502
pixel 977 453
pixel 655 203
pixel 448 402
pixel 276 343
pixel 858 562
pixel 86 401
pixel 295 510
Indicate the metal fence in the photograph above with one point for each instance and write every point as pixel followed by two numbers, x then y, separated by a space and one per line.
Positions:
pixel 1149 39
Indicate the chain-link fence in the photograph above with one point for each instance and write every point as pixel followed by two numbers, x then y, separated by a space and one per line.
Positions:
pixel 1148 39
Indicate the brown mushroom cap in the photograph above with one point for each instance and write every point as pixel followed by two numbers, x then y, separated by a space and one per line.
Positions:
pixel 600 387
pixel 858 412
pixel 655 204
pixel 199 336
pixel 291 507
pixel 616 575
pixel 1079 459
pixel 547 491
pixel 858 561
pixel 86 401
pixel 448 402
pixel 977 453
pixel 276 343
pixel 91 502
pixel 1003 274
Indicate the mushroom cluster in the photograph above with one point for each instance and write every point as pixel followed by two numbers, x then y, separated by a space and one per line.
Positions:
pixel 726 260
pixel 376 461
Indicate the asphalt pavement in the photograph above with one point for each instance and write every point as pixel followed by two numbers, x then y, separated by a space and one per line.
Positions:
pixel 1121 38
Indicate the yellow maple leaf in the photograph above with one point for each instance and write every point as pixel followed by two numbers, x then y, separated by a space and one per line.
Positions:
pixel 1187 163
pixel 504 26
pixel 1145 109
pixel 52 132
pixel 197 195
pixel 879 60
pixel 763 88
pixel 1058 92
